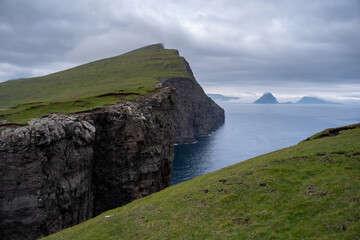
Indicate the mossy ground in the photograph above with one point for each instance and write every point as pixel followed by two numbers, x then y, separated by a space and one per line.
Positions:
pixel 135 72
pixel 308 191
pixel 22 113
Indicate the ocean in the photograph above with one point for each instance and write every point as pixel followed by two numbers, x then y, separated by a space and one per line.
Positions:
pixel 254 129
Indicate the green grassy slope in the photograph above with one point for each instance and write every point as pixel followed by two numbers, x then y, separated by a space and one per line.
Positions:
pixel 308 191
pixel 134 72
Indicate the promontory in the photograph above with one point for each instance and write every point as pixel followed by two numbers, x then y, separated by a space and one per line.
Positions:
pixel 94 137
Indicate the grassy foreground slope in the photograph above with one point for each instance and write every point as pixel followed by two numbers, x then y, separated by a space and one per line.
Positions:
pixel 79 88
pixel 308 191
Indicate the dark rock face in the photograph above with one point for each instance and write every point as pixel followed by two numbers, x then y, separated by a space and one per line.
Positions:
pixel 134 151
pixel 45 177
pixel 62 170
pixel 196 113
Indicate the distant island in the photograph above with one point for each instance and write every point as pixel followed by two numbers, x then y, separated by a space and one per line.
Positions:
pixel 220 97
pixel 314 100
pixel 267 98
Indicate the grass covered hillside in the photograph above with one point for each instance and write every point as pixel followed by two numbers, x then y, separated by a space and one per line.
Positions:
pixel 308 191
pixel 90 85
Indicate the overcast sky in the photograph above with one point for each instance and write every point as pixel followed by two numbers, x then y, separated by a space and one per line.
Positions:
pixel 241 48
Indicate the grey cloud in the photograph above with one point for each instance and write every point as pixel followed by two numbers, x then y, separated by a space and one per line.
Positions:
pixel 229 42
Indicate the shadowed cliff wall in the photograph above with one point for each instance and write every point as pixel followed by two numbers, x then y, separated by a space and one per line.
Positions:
pixel 64 169
pixel 61 170
pixel 196 113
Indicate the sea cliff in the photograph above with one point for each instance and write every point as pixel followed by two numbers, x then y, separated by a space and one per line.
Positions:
pixel 196 113
pixel 111 141
pixel 64 169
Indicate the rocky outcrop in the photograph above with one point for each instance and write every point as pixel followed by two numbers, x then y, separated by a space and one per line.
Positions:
pixel 45 177
pixel 196 113
pixel 134 150
pixel 266 98
pixel 61 170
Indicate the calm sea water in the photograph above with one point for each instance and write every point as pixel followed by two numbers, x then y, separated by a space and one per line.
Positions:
pixel 251 130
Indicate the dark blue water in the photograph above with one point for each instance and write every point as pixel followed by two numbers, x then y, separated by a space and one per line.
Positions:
pixel 251 130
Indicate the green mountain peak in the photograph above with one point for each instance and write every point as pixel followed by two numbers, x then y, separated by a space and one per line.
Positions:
pixel 135 72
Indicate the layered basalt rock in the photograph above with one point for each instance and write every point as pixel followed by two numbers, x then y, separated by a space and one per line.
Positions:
pixel 45 176
pixel 134 150
pixel 196 113
pixel 61 170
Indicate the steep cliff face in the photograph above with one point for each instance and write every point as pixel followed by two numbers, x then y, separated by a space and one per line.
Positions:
pixel 61 170
pixel 45 176
pixel 133 150
pixel 196 113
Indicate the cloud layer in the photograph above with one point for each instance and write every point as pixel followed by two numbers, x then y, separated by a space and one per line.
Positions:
pixel 286 46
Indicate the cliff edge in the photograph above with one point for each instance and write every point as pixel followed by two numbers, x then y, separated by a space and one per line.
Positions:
pixel 110 142
pixel 196 113
pixel 64 169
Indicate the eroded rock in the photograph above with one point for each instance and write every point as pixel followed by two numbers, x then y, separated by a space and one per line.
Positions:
pixel 196 113
pixel 61 170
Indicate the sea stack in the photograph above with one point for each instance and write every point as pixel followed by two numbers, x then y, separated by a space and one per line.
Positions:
pixel 267 98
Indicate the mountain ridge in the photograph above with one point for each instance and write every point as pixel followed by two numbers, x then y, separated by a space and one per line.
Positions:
pixel 104 82
pixel 154 61
pixel 67 158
